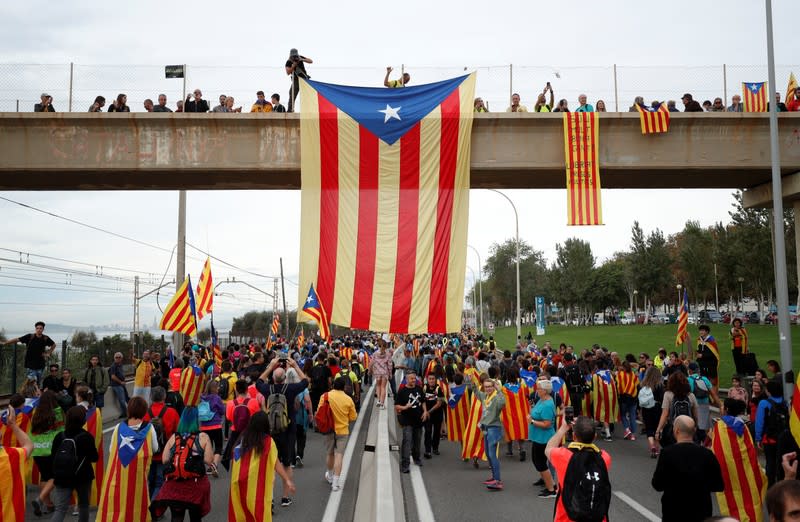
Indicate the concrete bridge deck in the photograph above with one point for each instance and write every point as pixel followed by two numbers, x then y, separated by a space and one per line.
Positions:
pixel 140 151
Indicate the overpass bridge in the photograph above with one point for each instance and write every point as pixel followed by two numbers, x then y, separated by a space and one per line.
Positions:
pixel 146 151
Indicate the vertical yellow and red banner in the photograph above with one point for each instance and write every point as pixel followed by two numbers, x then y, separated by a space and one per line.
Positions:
pixel 581 137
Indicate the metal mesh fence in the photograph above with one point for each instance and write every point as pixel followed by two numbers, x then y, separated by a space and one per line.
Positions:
pixel 22 84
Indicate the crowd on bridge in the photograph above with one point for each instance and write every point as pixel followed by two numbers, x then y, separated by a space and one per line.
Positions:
pixel 247 411
pixel 296 68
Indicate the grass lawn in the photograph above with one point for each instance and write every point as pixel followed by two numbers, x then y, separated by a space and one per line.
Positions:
pixel 648 338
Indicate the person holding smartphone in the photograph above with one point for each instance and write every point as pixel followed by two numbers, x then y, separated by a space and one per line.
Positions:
pixel 46 105
pixel 541 106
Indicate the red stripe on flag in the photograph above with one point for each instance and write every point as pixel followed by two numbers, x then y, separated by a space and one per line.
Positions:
pixel 244 473
pixel 448 154
pixel 364 281
pixel 585 195
pixel 407 225
pixel 329 201
pixel 593 173
pixel 570 183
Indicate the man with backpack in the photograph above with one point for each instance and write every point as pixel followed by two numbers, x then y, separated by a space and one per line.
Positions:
pixel 687 474
pixel 321 379
pixel 772 421
pixel 338 409
pixel 704 393
pixel 238 412
pixel 576 383
pixel 280 397
pixel 73 453
pixel 165 423
pixel 584 490
pixel 352 386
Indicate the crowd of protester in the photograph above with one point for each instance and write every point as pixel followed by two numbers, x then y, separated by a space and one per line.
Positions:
pixel 197 410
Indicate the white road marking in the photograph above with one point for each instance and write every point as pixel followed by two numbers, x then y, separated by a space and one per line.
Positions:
pixel 335 497
pixel 424 510
pixel 646 513
pixel 384 483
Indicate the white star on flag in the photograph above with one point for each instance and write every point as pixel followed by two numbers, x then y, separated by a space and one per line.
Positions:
pixel 126 442
pixel 390 112
pixel 309 299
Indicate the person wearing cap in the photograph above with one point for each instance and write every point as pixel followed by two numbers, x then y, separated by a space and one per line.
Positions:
pixel 690 104
pixel 261 104
pixel 698 385
pixel 296 68
pixel 46 105
pixel 394 84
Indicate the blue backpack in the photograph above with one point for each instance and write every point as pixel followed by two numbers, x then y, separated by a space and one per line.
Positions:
pixel 204 412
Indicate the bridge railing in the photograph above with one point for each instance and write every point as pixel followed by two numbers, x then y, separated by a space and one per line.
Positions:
pixel 75 86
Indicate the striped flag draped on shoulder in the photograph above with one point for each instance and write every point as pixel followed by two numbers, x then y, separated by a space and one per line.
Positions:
pixel 385 203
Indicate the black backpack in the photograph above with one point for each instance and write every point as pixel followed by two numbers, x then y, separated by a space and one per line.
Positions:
pixel 65 461
pixel 586 495
pixel 319 378
pixel 777 421
pixel 158 424
pixel 680 407
pixel 224 387
pixel 574 379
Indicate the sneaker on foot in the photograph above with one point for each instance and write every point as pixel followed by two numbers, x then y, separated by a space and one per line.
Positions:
pixel 286 501
pixel 627 434
pixel 488 481
pixel 329 477
pixel 632 437
pixel 539 482
pixel 546 493
pixel 497 485
pixel 607 437
pixel 427 455
pixel 298 462
pixel 522 455
pixel 37 507
pixel 335 487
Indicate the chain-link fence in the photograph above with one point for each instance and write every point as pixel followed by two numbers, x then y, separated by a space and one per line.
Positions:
pixel 75 86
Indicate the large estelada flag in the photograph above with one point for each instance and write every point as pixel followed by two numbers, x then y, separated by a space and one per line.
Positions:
pixel 252 475
pixel 472 445
pixel 12 487
pixel 745 481
pixel 514 414
pixel 385 203
pixel 653 121
pixel 457 413
pixel 180 315
pixel 605 400
pixel 205 291
pixel 123 495
pixel 683 321
pixel 755 96
pixel 581 138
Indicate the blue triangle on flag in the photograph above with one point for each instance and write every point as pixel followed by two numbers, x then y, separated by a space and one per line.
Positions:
pixel 387 113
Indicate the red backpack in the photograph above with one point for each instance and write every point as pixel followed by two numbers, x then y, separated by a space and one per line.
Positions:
pixel 183 463
pixel 241 415
pixel 324 416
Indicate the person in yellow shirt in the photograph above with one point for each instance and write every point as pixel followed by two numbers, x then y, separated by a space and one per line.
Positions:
pixel 394 84
pixel 344 412
pixel 515 105
pixel 261 104
pixel 143 372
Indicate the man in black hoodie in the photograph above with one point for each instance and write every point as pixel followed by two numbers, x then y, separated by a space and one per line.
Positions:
pixel 689 104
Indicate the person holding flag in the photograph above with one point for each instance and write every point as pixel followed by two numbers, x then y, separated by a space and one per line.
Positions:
pixel 492 403
pixel 457 409
pixel 605 402
pixel 708 356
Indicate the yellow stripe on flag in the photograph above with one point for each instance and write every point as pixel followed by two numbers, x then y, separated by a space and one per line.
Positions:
pixel 310 177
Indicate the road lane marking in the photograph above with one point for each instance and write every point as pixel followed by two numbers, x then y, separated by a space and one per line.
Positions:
pixel 424 510
pixel 335 497
pixel 646 513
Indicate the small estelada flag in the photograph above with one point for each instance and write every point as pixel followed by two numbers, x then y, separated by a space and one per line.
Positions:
pixel 581 136
pixel 755 96
pixel 654 120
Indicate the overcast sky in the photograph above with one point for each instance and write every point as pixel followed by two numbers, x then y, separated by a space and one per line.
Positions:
pixel 660 54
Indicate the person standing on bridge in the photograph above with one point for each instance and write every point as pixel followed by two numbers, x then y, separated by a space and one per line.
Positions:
pixel 296 68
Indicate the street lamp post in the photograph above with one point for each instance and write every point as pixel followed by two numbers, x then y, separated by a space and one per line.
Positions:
pixel 635 312
pixel 677 308
pixel 473 293
pixel 480 282
pixel 741 294
pixel 516 219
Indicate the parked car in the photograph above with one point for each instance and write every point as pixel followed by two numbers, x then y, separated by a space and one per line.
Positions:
pixel 659 319
pixel 709 316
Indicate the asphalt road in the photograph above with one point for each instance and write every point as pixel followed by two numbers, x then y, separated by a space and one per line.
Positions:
pixel 453 488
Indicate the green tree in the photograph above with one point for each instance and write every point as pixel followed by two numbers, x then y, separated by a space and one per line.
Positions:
pixel 204 335
pixel 696 255
pixel 573 275
pixel 608 285
pixel 500 290
pixel 649 266
pixel 84 340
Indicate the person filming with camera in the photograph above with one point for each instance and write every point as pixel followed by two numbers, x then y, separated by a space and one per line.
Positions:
pixel 296 68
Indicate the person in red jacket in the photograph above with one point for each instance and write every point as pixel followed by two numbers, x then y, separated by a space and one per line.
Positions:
pixel 169 421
